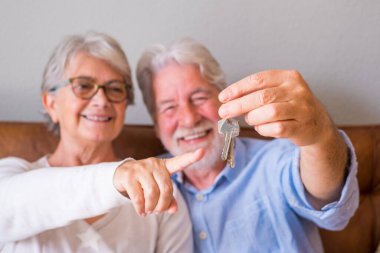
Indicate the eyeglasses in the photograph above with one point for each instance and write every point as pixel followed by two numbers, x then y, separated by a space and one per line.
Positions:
pixel 86 88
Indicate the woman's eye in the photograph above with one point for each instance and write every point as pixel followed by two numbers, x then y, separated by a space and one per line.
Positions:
pixel 116 87
pixel 84 86
pixel 116 90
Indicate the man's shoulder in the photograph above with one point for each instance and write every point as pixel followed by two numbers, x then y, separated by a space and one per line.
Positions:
pixel 255 145
pixel 275 153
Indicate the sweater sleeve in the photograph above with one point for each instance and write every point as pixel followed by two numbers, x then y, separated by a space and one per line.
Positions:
pixel 175 230
pixel 33 201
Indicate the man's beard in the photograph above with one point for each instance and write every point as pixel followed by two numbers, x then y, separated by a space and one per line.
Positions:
pixel 213 148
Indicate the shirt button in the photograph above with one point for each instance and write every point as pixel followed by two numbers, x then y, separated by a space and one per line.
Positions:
pixel 199 196
pixel 202 235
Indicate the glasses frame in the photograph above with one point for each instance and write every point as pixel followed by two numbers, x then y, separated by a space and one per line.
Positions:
pixel 97 86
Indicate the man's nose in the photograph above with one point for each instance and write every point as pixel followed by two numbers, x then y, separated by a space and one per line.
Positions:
pixel 188 116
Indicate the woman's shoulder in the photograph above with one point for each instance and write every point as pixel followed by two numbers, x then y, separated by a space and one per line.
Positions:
pixel 18 163
pixel 12 160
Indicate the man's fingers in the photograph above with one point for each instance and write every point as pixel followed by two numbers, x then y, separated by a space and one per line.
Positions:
pixel 271 113
pixel 279 129
pixel 252 101
pixel 252 83
pixel 180 162
pixel 258 81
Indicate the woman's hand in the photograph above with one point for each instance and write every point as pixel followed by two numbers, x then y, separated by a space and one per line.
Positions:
pixel 147 182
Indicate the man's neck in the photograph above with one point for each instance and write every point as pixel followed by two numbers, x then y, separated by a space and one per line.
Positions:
pixel 203 178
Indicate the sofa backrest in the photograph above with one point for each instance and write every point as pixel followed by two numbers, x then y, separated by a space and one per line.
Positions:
pixel 31 141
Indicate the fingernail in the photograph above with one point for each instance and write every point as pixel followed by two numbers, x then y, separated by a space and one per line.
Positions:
pixel 223 96
pixel 223 111
pixel 199 151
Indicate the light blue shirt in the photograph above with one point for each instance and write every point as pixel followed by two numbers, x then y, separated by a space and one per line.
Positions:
pixel 261 204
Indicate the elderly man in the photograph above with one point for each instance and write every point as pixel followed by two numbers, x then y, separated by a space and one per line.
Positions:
pixel 280 191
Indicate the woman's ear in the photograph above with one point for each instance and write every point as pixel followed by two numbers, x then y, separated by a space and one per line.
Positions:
pixel 48 101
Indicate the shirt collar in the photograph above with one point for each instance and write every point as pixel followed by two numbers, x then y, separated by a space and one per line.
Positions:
pixel 178 176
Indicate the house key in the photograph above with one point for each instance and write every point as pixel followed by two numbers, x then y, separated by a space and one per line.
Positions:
pixel 230 129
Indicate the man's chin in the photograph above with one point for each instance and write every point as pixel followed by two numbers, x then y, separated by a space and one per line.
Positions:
pixel 211 157
pixel 190 148
pixel 207 163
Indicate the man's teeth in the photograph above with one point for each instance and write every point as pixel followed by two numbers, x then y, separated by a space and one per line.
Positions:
pixel 194 136
pixel 97 118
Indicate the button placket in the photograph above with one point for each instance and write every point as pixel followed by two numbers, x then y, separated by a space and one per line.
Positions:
pixel 202 235
pixel 199 197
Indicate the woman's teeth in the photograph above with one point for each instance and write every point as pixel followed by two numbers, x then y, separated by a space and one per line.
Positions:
pixel 97 118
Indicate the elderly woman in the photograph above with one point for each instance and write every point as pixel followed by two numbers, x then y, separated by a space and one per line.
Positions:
pixel 68 202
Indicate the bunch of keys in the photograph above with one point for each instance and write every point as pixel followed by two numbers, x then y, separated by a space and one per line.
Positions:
pixel 230 129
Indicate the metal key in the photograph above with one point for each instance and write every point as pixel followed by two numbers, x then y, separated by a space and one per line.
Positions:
pixel 231 154
pixel 230 129
pixel 231 150
pixel 224 127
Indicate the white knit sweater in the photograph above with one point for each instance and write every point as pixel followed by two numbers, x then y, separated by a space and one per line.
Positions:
pixel 42 210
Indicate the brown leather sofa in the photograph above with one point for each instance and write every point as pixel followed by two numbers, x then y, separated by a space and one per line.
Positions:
pixel 32 140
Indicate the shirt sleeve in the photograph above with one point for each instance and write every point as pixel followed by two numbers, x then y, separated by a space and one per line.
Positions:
pixel 335 215
pixel 175 231
pixel 33 201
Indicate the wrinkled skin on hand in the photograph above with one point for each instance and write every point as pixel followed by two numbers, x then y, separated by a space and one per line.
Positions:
pixel 147 182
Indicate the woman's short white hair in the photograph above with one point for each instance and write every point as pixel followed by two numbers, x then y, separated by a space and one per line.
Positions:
pixel 182 51
pixel 99 45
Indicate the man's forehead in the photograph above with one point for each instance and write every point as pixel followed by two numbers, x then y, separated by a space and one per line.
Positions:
pixel 167 97
pixel 180 81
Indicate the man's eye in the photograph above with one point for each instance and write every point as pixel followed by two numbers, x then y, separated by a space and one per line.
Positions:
pixel 199 100
pixel 168 109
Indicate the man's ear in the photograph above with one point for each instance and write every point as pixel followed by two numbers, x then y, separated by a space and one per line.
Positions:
pixel 156 129
pixel 48 101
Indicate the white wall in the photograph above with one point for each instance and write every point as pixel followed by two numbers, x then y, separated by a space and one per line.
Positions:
pixel 334 44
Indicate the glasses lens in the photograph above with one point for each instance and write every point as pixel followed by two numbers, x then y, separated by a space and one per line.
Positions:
pixel 83 87
pixel 116 91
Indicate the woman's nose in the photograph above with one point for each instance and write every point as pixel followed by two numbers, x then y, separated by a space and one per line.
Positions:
pixel 100 97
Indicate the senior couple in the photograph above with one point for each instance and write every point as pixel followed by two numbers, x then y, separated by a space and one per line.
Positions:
pixel 83 198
